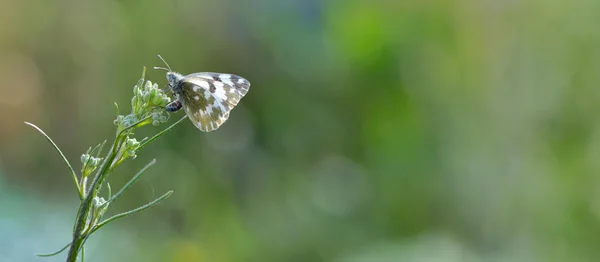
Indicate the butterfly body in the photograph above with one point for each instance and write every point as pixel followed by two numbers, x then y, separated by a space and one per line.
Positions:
pixel 207 98
pixel 174 106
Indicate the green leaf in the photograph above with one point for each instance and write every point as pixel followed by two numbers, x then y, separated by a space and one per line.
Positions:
pixel 131 212
pixel 144 143
pixel 100 149
pixel 55 253
pixel 109 190
pixel 73 174
pixel 131 182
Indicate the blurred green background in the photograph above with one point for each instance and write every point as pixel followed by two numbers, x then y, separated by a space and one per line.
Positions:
pixel 454 130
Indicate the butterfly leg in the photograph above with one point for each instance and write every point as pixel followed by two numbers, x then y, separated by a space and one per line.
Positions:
pixel 167 89
pixel 173 106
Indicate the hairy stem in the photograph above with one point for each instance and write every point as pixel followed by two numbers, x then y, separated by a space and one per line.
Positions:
pixel 79 235
pixel 86 204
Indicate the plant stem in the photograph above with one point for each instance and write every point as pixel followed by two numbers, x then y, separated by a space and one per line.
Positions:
pixel 79 235
pixel 86 204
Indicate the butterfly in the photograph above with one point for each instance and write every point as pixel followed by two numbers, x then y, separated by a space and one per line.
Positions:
pixel 207 98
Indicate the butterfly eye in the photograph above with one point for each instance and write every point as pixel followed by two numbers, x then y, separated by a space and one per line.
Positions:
pixel 171 77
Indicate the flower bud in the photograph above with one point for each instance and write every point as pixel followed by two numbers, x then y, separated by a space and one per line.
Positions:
pixel 84 158
pixel 98 201
pixel 148 85
pixel 157 100
pixel 146 97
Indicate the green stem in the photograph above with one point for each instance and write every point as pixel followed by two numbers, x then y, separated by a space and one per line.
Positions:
pixel 86 204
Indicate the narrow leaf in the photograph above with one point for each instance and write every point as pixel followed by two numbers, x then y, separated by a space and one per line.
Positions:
pixel 73 174
pixel 131 212
pixel 160 133
pixel 117 108
pixel 101 147
pixel 109 190
pixel 131 182
pixel 55 253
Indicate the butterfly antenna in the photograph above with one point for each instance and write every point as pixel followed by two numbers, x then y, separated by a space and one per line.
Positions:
pixel 165 64
pixel 162 68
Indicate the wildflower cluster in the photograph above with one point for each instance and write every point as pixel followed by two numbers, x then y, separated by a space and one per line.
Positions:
pixel 148 103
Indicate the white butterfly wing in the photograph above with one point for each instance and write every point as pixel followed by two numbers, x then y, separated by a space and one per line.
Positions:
pixel 209 97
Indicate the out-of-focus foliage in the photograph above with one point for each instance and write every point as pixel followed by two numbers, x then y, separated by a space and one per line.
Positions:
pixel 456 130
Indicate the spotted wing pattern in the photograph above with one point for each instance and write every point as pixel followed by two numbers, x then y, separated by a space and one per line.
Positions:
pixel 239 84
pixel 209 97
